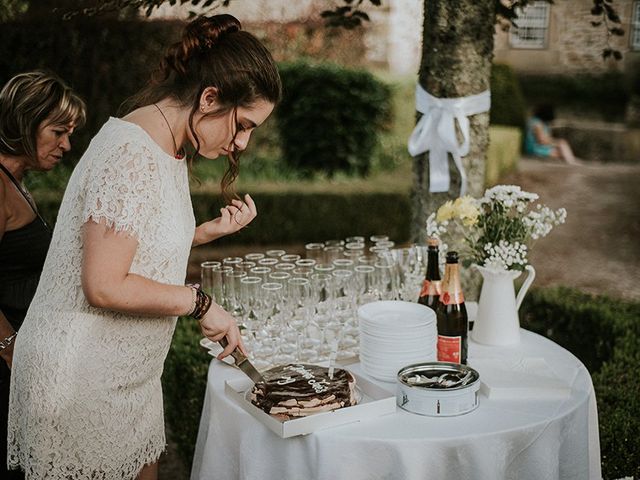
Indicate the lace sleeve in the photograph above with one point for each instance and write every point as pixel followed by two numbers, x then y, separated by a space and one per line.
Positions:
pixel 121 189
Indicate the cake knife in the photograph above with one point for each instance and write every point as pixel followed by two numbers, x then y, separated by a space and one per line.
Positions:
pixel 243 363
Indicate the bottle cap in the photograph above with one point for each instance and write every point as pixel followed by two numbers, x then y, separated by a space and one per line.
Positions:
pixel 432 242
pixel 452 257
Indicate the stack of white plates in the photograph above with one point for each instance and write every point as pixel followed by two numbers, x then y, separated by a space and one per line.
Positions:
pixel 394 334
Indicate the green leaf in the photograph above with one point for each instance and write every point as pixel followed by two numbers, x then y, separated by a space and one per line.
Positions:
pixel 361 15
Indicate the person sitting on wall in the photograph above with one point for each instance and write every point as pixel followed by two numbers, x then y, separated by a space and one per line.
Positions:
pixel 538 140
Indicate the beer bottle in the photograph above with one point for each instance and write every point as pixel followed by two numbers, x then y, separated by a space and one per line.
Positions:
pixel 431 285
pixel 452 315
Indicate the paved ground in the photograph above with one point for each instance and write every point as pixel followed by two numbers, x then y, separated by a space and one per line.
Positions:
pixel 597 250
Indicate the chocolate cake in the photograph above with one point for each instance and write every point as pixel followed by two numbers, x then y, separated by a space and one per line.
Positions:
pixel 298 390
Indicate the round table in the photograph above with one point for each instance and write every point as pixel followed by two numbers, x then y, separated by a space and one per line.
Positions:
pixel 539 437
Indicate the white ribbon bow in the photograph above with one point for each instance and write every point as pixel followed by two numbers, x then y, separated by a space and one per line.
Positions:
pixel 436 132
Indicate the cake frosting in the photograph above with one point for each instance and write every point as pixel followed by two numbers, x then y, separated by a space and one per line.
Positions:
pixel 299 390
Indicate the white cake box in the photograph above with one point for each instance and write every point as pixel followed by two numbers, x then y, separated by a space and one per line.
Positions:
pixel 375 401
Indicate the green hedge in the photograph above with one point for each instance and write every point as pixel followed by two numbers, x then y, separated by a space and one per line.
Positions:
pixel 603 333
pixel 104 60
pixel 298 217
pixel 606 94
pixel 507 102
pixel 330 117
pixel 184 382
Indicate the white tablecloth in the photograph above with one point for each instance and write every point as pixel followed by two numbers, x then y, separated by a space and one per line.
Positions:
pixel 533 438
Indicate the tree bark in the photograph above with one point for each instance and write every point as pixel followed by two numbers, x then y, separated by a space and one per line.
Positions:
pixel 457 51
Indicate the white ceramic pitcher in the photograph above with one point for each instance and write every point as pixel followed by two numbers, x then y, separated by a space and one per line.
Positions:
pixel 497 322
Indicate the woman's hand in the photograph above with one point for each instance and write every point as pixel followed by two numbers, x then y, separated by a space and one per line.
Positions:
pixel 232 218
pixel 218 324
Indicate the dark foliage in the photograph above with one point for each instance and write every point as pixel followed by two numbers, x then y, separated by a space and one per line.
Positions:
pixel 184 382
pixel 103 59
pixel 507 101
pixel 604 333
pixel 606 94
pixel 296 217
pixel 330 117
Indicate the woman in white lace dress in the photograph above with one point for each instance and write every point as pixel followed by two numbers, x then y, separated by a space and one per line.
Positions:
pixel 86 402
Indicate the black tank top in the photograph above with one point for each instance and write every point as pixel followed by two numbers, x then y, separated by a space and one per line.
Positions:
pixel 22 255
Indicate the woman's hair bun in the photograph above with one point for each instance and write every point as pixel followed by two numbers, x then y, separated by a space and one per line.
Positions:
pixel 199 35
pixel 204 32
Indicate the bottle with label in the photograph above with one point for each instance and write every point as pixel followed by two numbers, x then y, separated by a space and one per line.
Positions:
pixel 431 286
pixel 452 315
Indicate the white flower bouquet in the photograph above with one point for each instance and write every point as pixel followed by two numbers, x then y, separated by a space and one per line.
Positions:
pixel 494 231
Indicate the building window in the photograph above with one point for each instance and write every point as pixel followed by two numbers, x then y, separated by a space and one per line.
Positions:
pixel 533 23
pixel 635 27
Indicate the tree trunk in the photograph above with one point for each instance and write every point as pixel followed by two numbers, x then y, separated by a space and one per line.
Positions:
pixel 457 50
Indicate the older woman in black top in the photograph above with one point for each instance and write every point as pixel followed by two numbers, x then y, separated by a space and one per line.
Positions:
pixel 38 113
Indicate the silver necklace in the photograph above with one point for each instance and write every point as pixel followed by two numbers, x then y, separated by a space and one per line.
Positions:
pixel 179 155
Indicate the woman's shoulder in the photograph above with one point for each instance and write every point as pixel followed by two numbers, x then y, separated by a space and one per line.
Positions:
pixel 120 138
pixel 136 133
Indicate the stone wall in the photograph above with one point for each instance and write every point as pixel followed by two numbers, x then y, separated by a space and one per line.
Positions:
pixel 392 40
pixel 573 45
pixel 600 141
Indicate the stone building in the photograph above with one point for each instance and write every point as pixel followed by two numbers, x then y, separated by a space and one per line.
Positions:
pixel 551 38
pixel 559 38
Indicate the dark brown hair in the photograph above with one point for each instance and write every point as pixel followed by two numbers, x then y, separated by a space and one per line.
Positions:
pixel 27 100
pixel 215 52
pixel 544 112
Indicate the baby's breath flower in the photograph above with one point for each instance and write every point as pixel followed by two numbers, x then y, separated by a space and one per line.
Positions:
pixel 496 227
pixel 505 255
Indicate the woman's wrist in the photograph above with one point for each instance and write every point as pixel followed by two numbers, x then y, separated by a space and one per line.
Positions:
pixel 201 302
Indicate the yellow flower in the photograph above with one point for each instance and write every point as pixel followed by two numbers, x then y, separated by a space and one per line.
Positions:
pixel 445 212
pixel 466 210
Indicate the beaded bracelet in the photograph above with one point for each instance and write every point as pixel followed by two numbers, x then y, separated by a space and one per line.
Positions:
pixel 201 303
pixel 6 343
pixel 194 297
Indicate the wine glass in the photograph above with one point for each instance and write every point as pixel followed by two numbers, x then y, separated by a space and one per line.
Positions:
pixel 271 306
pixel 250 297
pixel 262 272
pixel 355 239
pixel 365 284
pixel 232 261
pixel 232 290
pixel 208 276
pixel 254 257
pixel 314 251
pixel 290 258
pixel 379 238
pixel 331 253
pixel 268 262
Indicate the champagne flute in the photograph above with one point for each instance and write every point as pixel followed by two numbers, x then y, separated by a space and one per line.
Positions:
pixel 208 276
